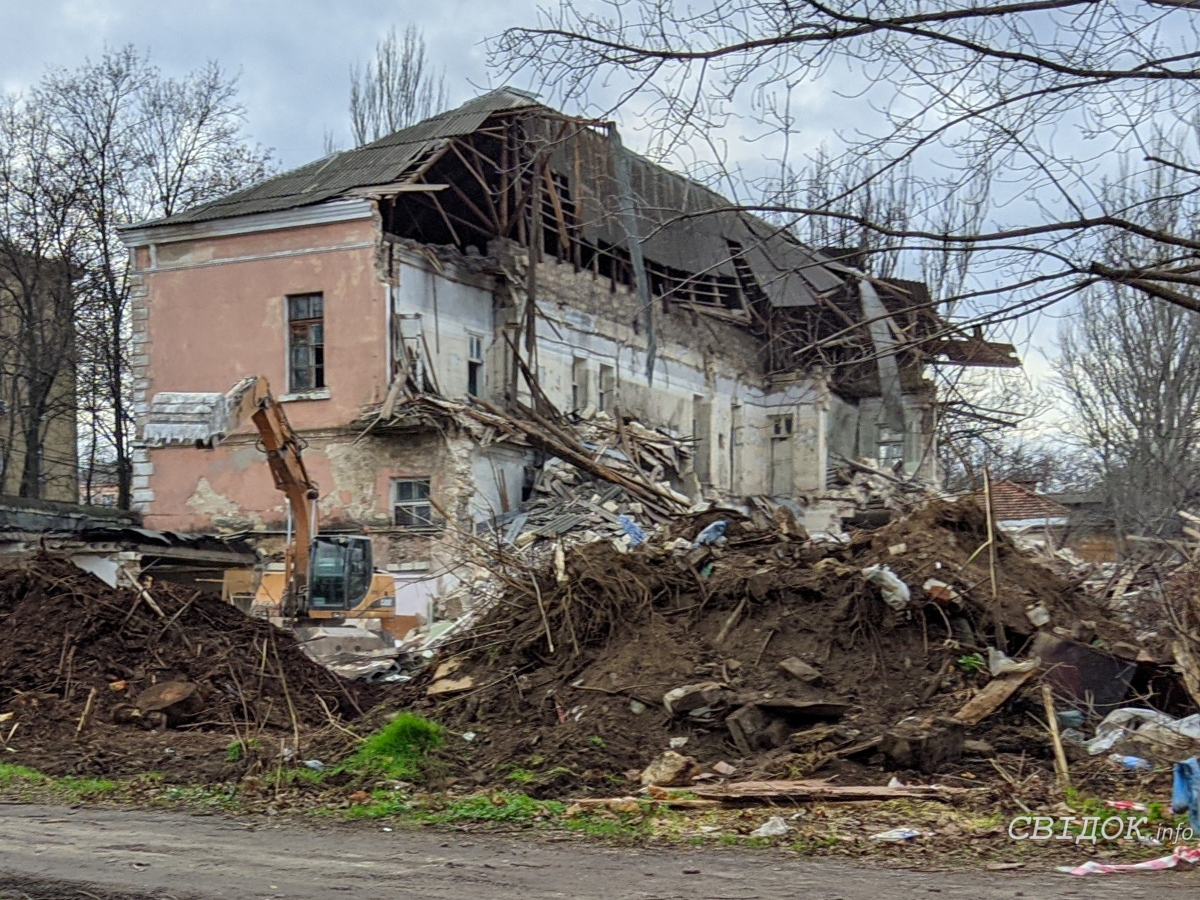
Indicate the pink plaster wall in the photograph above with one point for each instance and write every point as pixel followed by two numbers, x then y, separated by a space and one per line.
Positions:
pixel 212 322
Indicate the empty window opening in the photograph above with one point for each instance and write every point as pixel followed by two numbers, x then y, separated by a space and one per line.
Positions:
pixel 781 456
pixel 606 395
pixel 579 383
pixel 410 503
pixel 306 342
pixel 702 438
pixel 475 365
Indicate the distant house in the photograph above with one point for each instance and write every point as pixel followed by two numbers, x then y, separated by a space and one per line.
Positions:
pixel 1017 507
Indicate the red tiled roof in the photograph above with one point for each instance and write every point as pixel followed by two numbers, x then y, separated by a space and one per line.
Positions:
pixel 1014 502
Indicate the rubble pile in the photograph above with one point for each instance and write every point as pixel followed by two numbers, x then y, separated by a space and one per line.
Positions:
pixel 108 681
pixel 749 649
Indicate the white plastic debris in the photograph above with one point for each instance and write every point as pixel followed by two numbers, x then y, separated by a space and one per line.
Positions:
pixel 677 742
pixel 775 826
pixel 896 835
pixel 895 592
pixel 1038 616
pixel 1000 663
pixel 468 736
pixel 1150 727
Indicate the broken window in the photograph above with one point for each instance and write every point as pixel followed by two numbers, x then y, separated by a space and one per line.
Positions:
pixel 306 342
pixel 474 364
pixel 410 503
pixel 606 394
pixel 890 450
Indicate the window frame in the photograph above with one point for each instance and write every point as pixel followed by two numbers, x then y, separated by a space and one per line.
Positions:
pixel 411 504
pixel 315 368
pixel 474 364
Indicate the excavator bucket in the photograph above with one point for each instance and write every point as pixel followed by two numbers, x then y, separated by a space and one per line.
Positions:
pixel 186 418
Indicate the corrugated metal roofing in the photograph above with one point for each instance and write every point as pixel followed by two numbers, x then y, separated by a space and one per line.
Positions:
pixel 380 162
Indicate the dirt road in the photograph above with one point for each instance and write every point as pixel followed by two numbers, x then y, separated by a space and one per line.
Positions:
pixel 48 853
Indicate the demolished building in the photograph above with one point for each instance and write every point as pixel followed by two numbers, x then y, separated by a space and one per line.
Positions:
pixel 504 255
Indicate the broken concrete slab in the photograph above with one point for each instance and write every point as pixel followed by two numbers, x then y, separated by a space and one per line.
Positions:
pixel 670 770
pixel 692 697
pixel 798 668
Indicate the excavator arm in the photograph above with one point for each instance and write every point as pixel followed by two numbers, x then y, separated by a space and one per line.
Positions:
pixel 205 419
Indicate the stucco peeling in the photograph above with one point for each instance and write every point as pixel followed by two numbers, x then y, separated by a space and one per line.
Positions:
pixel 221 510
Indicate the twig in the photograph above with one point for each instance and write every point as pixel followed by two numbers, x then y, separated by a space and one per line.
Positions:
pixel 991 536
pixel 87 709
pixel 730 622
pixel 763 648
pixel 542 609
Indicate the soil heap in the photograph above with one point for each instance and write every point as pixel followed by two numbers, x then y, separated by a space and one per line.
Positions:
pixel 560 685
pixel 76 654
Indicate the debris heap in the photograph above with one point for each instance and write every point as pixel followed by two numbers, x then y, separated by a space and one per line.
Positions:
pixel 106 681
pixel 760 652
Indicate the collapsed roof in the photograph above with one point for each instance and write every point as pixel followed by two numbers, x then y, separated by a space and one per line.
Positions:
pixel 504 165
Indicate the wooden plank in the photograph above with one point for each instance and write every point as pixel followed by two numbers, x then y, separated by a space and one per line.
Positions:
pixel 992 697
pixel 820 791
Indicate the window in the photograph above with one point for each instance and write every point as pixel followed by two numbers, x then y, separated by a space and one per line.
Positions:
pixel 474 365
pixel 890 450
pixel 579 384
pixel 605 396
pixel 410 503
pixel 306 342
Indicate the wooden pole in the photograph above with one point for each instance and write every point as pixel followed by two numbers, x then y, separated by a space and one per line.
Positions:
pixel 1060 755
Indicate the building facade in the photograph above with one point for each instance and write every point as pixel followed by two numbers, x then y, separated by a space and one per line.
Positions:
pixel 505 254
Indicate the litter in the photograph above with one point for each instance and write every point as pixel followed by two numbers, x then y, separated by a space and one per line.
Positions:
pixel 1188 855
pixel 895 592
pixel 776 826
pixel 1001 664
pixel 1136 763
pixel 711 534
pixel 1149 731
pixel 1185 793
pixel 896 835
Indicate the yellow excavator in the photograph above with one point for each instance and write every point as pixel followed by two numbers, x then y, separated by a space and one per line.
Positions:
pixel 325 576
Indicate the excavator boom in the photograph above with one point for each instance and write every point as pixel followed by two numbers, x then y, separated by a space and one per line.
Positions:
pixel 206 419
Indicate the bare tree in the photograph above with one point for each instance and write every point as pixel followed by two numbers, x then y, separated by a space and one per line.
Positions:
pixel 1035 99
pixel 139 146
pixel 1131 369
pixel 396 89
pixel 39 235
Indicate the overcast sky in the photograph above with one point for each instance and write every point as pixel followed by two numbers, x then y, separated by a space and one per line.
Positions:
pixel 294 59
pixel 294 56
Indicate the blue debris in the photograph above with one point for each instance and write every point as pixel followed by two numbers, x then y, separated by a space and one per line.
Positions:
pixel 711 534
pixel 637 536
pixel 1185 797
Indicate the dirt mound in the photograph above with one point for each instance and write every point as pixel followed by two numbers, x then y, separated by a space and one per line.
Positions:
pixel 75 654
pixel 568 671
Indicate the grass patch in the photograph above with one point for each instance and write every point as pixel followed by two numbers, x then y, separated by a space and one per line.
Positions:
pixel 382 805
pixel 10 774
pixel 86 788
pixel 501 807
pixel 399 750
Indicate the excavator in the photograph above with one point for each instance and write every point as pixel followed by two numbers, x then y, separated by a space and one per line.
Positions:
pixel 328 580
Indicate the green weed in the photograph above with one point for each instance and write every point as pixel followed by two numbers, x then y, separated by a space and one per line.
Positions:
pixel 499 807
pixel 972 663
pixel 399 750
pixel 10 774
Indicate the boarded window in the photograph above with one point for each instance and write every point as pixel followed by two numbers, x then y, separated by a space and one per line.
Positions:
pixel 410 503
pixel 306 342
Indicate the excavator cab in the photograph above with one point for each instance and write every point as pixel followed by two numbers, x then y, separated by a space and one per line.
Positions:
pixel 340 572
